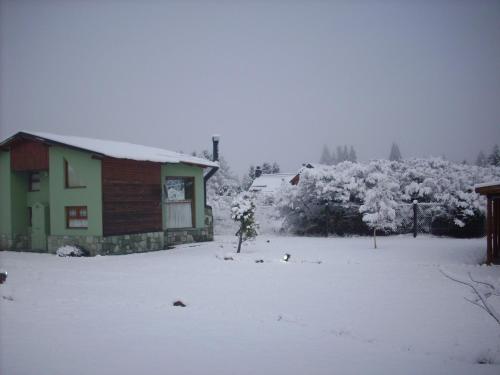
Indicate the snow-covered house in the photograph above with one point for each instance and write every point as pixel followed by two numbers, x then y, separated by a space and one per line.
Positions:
pixel 270 184
pixel 105 196
pixel 492 192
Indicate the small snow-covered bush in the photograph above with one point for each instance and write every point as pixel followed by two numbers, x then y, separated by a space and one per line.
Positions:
pixel 72 251
pixel 243 212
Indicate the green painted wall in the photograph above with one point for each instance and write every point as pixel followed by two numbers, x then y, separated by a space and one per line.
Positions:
pixel 91 196
pixel 183 170
pixel 19 208
pixel 42 195
pixel 5 191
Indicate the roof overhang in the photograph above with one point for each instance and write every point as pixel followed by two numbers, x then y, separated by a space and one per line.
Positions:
pixel 489 189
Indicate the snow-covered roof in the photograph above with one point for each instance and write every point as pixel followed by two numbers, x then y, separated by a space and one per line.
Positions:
pixel 115 149
pixel 488 188
pixel 270 183
pixel 487 184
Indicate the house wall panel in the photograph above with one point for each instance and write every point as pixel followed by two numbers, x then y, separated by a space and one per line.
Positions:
pixel 131 196
pixel 5 192
pixel 89 171
pixel 29 155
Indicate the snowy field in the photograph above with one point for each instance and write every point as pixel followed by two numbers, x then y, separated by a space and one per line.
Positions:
pixel 338 307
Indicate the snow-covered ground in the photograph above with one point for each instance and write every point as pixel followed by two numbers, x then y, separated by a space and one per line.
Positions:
pixel 338 307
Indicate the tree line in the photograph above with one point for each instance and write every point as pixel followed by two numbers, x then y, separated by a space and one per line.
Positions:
pixel 492 159
pixel 344 153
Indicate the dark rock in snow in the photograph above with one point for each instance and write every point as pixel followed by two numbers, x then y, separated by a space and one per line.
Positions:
pixel 3 277
pixel 179 303
pixel 259 261
pixel 228 258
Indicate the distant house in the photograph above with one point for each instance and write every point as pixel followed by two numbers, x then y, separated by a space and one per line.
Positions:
pixel 107 197
pixel 270 184
pixel 296 178
pixel 492 192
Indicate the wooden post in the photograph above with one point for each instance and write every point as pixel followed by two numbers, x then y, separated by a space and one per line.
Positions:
pixel 495 221
pixel 415 223
pixel 489 231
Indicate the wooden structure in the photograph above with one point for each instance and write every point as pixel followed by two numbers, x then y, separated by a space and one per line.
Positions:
pixel 492 193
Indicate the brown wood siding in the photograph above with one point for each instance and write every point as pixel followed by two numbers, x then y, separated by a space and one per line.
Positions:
pixel 131 194
pixel 27 155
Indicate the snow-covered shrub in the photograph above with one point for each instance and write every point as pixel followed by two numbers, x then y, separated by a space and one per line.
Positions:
pixel 72 251
pixel 243 212
pixel 327 198
pixel 379 207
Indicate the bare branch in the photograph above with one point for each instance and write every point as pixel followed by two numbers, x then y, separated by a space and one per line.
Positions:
pixel 487 307
pixel 481 282
pixel 475 303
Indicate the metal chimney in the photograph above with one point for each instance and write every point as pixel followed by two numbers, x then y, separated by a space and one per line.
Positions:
pixel 215 152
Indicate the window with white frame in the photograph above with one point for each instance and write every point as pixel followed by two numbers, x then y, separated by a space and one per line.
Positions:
pixel 34 181
pixel 77 217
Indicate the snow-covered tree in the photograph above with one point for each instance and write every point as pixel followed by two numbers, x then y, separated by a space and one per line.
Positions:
pixel 344 188
pixel 352 155
pixel 267 168
pixel 248 178
pixel 481 159
pixel 275 168
pixel 379 207
pixel 224 182
pixel 494 157
pixel 243 212
pixel 326 157
pixel 395 154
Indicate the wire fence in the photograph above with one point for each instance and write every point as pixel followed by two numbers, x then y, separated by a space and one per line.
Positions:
pixel 419 218
pixel 411 218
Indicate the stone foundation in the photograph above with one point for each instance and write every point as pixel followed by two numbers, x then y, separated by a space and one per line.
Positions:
pixel 188 235
pixel 132 243
pixel 115 245
pixel 111 245
pixel 18 242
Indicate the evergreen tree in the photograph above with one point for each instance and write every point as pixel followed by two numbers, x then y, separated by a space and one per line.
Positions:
pixel 494 158
pixel 339 157
pixel 395 154
pixel 224 182
pixel 248 178
pixel 481 160
pixel 345 153
pixel 267 168
pixel 326 157
pixel 352 155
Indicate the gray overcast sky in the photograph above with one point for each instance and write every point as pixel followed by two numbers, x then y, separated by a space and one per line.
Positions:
pixel 276 79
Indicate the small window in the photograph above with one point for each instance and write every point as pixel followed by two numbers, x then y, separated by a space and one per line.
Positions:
pixel 179 189
pixel 72 178
pixel 34 181
pixel 76 217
